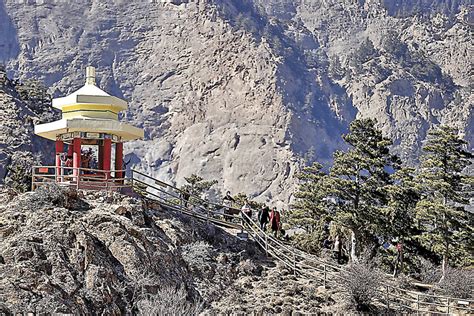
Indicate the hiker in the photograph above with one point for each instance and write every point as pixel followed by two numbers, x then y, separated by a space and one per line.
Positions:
pixel 62 158
pixel 92 161
pixel 204 201
pixel 337 248
pixel 398 259
pixel 228 201
pixel 263 217
pixel 185 197
pixel 327 243
pixel 68 164
pixel 246 213
pixel 275 221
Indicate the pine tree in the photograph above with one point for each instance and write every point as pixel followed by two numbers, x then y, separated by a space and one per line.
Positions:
pixel 358 180
pixel 310 204
pixel 447 225
pixel 242 198
pixel 195 185
pixel 403 196
pixel 310 209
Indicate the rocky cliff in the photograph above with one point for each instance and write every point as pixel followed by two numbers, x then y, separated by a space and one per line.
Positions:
pixel 245 91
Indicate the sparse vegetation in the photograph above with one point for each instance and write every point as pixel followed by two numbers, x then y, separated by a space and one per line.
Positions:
pixel 241 198
pixel 458 283
pixel 18 176
pixel 168 301
pixel 361 284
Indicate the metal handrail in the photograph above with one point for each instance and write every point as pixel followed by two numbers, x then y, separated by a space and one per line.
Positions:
pixel 297 259
pixel 190 202
pixel 81 178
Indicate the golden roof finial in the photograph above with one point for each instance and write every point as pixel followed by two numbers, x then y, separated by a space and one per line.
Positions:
pixel 90 75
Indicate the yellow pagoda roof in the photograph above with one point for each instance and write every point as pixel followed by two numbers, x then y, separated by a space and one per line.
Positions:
pixel 90 101
pixel 89 110
pixel 89 95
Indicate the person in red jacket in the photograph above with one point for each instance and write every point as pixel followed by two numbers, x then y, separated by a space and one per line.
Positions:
pixel 275 221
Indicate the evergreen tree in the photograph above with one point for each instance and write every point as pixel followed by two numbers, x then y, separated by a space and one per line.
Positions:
pixel 310 209
pixel 392 44
pixel 196 185
pixel 400 211
pixel 241 198
pixel 358 180
pixel 447 226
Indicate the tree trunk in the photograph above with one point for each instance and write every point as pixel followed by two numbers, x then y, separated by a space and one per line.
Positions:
pixel 401 257
pixel 444 264
pixel 354 257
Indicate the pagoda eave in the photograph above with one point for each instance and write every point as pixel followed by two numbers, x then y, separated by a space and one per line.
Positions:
pixel 52 130
pixel 74 100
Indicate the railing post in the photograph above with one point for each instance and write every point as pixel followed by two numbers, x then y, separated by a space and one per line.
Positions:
pixel 266 244
pixel 294 262
pixel 324 282
pixel 388 299
pixel 78 178
pixel 417 304
pixel 33 179
pixel 449 310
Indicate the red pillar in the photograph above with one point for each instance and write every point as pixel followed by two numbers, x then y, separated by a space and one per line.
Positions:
pixel 76 157
pixel 59 150
pixel 119 161
pixel 101 156
pixel 106 162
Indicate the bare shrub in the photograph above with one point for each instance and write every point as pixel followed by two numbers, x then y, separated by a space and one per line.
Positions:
pixel 404 282
pixel 458 283
pixel 55 195
pixel 361 285
pixel 168 301
pixel 197 254
pixel 428 273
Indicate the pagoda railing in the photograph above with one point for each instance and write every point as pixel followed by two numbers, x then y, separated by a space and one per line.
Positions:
pixel 80 178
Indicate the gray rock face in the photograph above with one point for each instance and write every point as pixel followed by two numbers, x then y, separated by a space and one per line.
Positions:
pixel 21 105
pixel 63 251
pixel 244 91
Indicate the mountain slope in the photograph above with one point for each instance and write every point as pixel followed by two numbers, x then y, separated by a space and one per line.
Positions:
pixel 244 91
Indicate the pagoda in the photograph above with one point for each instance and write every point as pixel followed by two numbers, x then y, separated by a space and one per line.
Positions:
pixel 89 118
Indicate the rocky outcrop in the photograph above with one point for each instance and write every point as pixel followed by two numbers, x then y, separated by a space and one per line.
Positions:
pixel 97 253
pixel 245 91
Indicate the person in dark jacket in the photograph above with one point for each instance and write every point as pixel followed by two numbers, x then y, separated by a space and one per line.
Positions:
pixel 263 217
pixel 185 195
